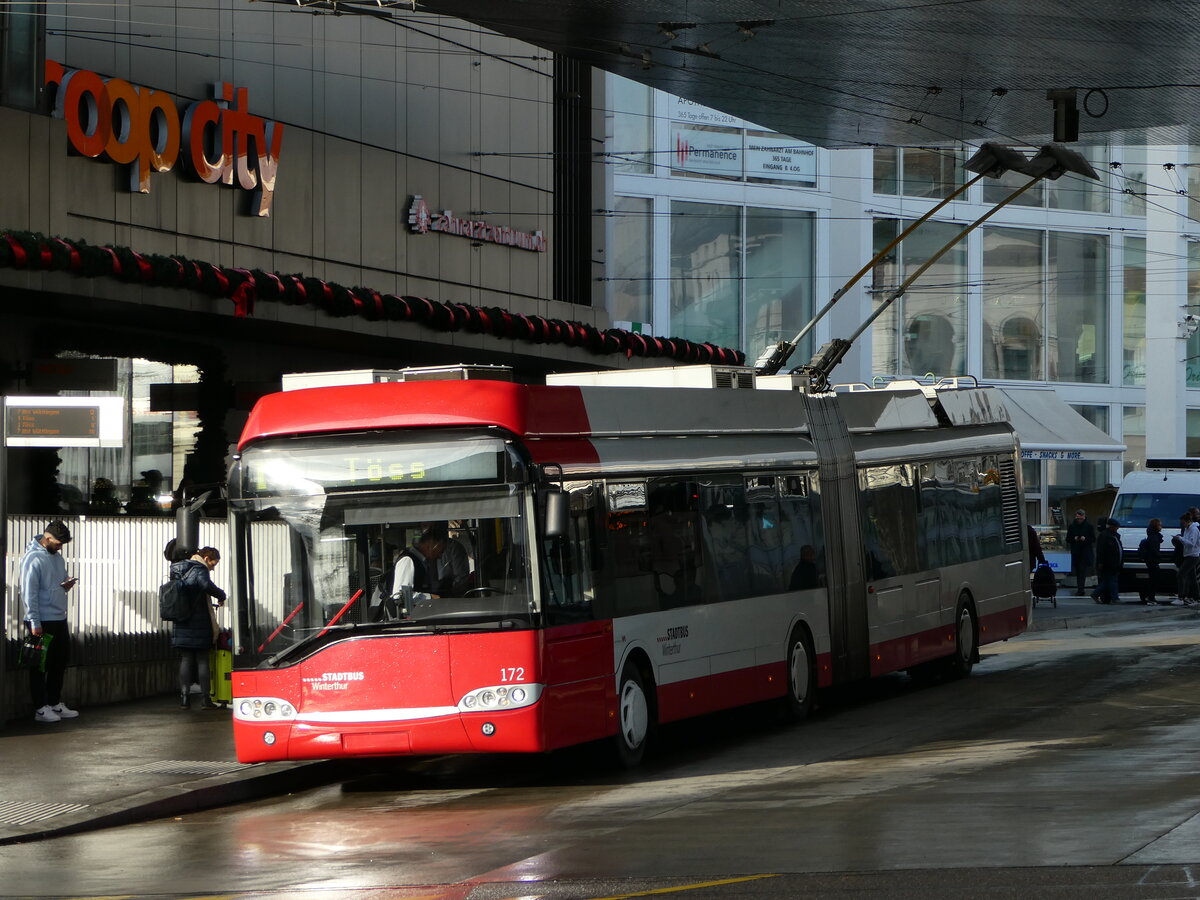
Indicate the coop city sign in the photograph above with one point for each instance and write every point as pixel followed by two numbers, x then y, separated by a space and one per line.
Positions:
pixel 218 139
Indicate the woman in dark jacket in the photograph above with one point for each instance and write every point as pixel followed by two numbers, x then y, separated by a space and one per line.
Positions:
pixel 1148 550
pixel 194 636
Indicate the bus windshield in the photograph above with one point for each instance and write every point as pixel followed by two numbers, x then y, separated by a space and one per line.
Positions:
pixel 378 536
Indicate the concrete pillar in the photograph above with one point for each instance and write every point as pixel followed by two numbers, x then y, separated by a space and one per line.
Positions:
pixel 1166 297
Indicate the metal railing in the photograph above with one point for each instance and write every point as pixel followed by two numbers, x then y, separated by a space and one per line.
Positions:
pixel 113 610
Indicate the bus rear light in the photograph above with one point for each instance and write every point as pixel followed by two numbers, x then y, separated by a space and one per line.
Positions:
pixel 263 709
pixel 505 696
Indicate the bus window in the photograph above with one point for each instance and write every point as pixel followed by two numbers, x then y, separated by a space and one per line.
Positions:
pixel 569 560
pixel 803 538
pixel 889 510
pixel 726 515
pixel 764 536
pixel 673 530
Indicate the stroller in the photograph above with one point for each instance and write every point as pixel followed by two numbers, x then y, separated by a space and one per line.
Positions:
pixel 1044 586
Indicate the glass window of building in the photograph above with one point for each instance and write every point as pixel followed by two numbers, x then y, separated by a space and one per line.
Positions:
pixel 1193 433
pixel 923 332
pixel 1133 332
pixel 1045 314
pixel 1077 307
pixel 1074 192
pixel 1192 356
pixel 1012 304
pixel 1133 433
pixel 1129 181
pixel 740 283
pixel 706 272
pixel 997 189
pixel 631 260
pixel 1069 477
pixel 917 172
pixel 22 47
pixel 778 278
pixel 632 107
pixel 139 477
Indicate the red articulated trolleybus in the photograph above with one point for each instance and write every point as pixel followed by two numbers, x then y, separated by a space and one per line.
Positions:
pixel 604 553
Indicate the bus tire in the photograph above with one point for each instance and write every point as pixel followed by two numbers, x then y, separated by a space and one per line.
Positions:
pixel 634 716
pixel 966 640
pixel 801 676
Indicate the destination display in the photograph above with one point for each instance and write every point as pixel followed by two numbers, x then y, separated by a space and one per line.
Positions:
pixel 307 470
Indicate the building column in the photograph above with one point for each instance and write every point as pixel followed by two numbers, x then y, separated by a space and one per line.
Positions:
pixel 1166 299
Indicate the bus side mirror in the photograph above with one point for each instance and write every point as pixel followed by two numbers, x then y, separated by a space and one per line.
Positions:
pixel 554 513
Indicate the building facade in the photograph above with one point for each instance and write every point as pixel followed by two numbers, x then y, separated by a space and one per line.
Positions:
pixel 200 199
pixel 1050 292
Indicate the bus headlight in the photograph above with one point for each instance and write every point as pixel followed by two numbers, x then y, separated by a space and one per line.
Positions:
pixel 263 709
pixel 504 696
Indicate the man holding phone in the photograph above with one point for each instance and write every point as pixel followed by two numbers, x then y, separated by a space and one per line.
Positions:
pixel 44 586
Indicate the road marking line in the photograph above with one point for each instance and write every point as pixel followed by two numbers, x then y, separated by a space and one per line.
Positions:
pixel 686 887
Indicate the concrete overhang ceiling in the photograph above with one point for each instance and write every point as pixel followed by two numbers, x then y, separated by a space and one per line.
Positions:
pixel 890 72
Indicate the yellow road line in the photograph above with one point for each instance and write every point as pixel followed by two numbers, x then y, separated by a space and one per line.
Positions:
pixel 686 887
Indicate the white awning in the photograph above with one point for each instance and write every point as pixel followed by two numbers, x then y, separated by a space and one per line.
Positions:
pixel 1050 429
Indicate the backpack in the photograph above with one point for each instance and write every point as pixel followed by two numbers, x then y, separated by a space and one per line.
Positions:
pixel 175 601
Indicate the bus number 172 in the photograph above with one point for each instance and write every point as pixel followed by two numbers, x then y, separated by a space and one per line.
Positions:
pixel 517 673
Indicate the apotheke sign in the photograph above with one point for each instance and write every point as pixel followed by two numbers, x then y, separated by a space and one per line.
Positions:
pixel 128 124
pixel 421 220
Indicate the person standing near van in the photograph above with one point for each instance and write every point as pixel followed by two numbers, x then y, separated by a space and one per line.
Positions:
pixel 1148 551
pixel 1081 538
pixel 1108 563
pixel 1189 543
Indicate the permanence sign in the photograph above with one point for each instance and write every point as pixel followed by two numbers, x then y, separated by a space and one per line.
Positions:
pixel 218 140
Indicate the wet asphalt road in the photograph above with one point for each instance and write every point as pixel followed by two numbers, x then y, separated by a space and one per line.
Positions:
pixel 1068 765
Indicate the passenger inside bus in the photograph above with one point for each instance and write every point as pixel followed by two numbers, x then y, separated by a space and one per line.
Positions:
pixel 805 576
pixel 454 577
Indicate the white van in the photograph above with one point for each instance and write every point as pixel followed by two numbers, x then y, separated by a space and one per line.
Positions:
pixel 1164 490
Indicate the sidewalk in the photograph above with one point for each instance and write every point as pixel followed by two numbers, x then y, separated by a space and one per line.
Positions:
pixel 131 762
pixel 1084 612
pixel 148 759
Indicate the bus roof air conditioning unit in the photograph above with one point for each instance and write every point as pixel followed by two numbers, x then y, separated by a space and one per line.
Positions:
pixel 458 372
pixel 298 380
pixel 723 377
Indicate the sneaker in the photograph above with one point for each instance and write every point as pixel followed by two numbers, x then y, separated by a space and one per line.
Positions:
pixel 46 715
pixel 64 712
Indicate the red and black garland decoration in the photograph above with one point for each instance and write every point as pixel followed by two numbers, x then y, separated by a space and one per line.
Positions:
pixel 245 287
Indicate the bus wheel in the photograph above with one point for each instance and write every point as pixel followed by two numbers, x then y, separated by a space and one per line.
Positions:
pixel 633 711
pixel 960 664
pixel 802 676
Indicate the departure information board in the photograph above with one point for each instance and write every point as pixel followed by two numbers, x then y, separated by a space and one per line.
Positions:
pixel 64 421
pixel 50 421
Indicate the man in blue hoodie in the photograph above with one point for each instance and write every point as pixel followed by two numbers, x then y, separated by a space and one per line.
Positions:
pixel 44 586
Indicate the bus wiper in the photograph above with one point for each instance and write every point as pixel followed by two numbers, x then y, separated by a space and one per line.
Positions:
pixel 387 625
pixel 282 625
pixel 309 641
